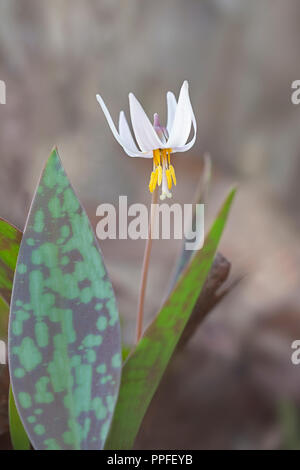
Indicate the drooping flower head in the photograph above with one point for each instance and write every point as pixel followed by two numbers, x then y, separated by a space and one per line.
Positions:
pixel 155 141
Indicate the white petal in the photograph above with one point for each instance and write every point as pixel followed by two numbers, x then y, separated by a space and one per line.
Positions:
pixel 109 120
pixel 171 104
pixel 125 133
pixel 138 154
pixel 126 136
pixel 118 138
pixel 190 144
pixel 144 132
pixel 183 119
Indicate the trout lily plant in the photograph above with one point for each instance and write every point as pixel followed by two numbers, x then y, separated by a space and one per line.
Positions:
pixel 73 384
pixel 156 141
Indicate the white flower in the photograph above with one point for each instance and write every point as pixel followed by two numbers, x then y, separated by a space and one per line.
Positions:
pixel 155 141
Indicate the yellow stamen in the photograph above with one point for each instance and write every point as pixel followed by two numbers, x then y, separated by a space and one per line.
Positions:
pixel 155 177
pixel 156 157
pixel 169 179
pixel 161 163
pixel 151 189
pixel 153 180
pixel 172 171
pixel 159 169
pixel 169 155
pixel 166 155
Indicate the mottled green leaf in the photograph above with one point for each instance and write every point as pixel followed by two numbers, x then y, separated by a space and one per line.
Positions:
pixel 10 239
pixel 145 366
pixel 18 434
pixel 64 331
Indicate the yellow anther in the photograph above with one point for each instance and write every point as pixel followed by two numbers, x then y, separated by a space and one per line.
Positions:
pixel 155 177
pixel 169 155
pixel 172 171
pixel 156 157
pixel 151 183
pixel 159 170
pixel 161 164
pixel 153 180
pixel 169 178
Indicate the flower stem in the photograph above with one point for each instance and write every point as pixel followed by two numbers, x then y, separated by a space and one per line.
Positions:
pixel 145 269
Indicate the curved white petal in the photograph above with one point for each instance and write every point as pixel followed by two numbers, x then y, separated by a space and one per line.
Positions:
pixel 144 132
pixel 118 138
pixel 125 134
pixel 171 104
pixel 183 119
pixel 138 154
pixel 110 121
pixel 190 144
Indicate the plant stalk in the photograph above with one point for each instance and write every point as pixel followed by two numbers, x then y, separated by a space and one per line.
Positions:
pixel 145 269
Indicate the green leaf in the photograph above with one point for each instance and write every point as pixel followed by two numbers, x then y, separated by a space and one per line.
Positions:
pixel 64 331
pixel 4 314
pixel 200 198
pixel 145 366
pixel 10 239
pixel 125 352
pixel 18 434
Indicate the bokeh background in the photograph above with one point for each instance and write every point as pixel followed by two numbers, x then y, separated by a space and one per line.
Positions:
pixel 233 386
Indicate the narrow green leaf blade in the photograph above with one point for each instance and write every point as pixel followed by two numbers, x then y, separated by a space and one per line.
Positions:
pixel 200 198
pixel 10 239
pixel 145 366
pixel 18 434
pixel 4 314
pixel 64 331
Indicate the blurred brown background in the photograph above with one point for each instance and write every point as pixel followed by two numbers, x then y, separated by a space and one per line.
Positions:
pixel 234 386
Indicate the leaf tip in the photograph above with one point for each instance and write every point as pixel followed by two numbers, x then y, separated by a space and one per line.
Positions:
pixel 232 192
pixel 54 152
pixel 53 158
